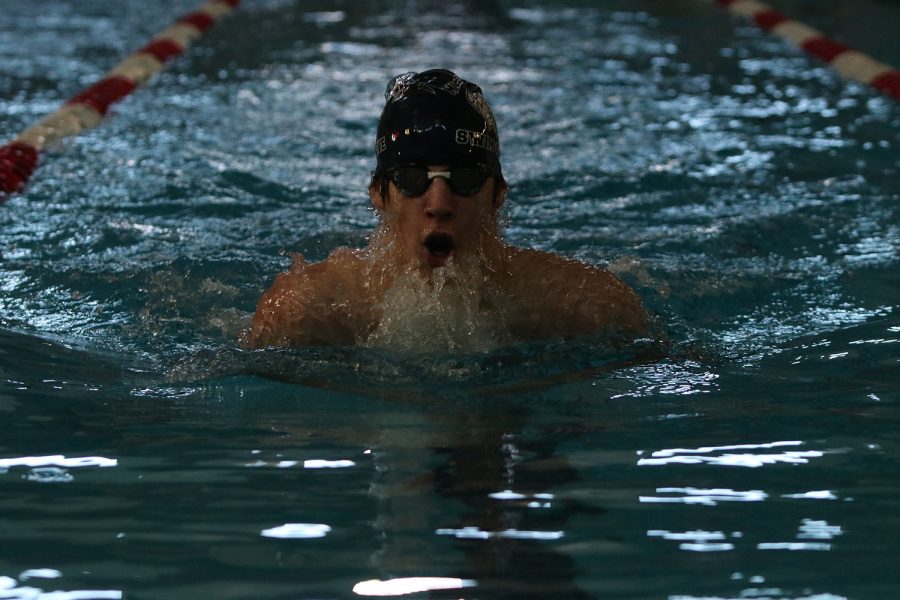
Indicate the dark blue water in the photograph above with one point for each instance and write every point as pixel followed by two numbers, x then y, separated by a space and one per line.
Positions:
pixel 748 193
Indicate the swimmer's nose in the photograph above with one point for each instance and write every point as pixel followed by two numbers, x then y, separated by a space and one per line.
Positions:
pixel 439 200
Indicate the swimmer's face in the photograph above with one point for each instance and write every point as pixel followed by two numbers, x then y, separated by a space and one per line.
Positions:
pixel 438 225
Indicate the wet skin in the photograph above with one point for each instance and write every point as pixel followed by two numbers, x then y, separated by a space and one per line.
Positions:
pixel 537 295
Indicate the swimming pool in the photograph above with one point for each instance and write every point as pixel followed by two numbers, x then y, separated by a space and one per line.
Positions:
pixel 747 192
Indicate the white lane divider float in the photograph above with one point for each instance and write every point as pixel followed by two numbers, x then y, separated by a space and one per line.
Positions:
pixel 86 109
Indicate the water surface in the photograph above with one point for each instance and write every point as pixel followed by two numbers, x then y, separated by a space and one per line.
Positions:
pixel 748 193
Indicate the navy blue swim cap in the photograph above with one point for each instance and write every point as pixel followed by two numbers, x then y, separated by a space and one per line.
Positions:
pixel 436 118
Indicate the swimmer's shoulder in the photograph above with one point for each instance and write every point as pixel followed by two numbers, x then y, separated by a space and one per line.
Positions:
pixel 575 296
pixel 550 267
pixel 345 270
pixel 312 303
pixel 347 259
pixel 342 266
pixel 337 281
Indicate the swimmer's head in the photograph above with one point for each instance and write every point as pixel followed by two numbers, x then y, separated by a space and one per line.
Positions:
pixel 436 118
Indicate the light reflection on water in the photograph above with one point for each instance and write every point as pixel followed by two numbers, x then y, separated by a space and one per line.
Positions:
pixel 748 196
pixel 720 456
pixel 474 533
pixel 763 593
pixel 704 497
pixel 11 590
pixel 409 585
pixel 297 531
pixel 57 460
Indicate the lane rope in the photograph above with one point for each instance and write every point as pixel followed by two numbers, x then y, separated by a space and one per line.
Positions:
pixel 86 109
pixel 850 63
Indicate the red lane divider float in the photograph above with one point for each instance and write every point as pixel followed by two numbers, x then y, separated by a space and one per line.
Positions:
pixel 850 63
pixel 86 109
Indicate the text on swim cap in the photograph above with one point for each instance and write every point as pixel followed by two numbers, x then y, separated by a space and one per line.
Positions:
pixel 477 139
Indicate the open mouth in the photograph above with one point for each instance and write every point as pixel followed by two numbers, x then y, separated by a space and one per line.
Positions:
pixel 439 244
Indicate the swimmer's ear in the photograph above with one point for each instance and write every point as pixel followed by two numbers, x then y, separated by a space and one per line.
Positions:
pixel 376 193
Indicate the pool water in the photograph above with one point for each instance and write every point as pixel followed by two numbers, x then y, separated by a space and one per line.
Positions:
pixel 747 192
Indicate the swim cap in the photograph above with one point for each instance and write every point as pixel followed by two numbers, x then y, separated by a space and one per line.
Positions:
pixel 436 118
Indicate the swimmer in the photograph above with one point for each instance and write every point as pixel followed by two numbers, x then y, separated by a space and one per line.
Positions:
pixel 437 273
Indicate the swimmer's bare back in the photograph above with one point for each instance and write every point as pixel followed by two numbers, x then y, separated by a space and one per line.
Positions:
pixel 536 294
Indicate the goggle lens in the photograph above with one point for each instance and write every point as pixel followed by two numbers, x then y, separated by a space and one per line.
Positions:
pixel 415 181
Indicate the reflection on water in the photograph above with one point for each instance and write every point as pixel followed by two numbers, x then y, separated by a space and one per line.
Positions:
pixel 409 585
pixel 57 461
pixel 697 541
pixel 507 539
pixel 747 193
pixel 297 531
pixel 473 533
pixel 704 497
pixel 14 590
pixel 719 456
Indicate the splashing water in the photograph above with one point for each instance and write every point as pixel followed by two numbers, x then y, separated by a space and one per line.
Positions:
pixel 452 310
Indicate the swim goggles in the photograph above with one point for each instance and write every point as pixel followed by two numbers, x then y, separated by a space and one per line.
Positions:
pixel 414 181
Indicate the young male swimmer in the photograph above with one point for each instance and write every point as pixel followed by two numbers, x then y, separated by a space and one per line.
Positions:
pixel 437 274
